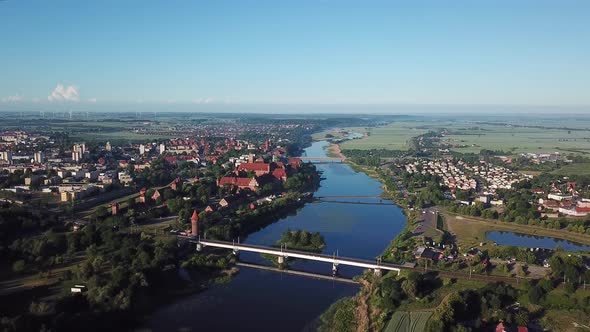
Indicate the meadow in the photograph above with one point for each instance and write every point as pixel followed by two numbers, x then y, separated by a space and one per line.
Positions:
pixel 394 136
pixel 519 139
pixel 471 136
pixel 413 321
pixel 574 169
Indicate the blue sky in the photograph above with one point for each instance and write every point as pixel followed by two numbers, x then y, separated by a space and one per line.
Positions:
pixel 109 53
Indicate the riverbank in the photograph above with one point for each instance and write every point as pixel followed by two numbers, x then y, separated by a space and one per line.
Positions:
pixel 352 230
pixel 475 234
pixel 199 282
pixel 334 151
pixel 366 311
pixel 361 312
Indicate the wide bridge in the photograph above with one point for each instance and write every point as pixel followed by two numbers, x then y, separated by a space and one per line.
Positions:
pixel 282 253
pixel 322 160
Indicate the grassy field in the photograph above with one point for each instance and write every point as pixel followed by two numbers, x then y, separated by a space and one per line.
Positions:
pixel 408 321
pixel 394 136
pixel 518 139
pixel 474 136
pixel 471 231
pixel 574 169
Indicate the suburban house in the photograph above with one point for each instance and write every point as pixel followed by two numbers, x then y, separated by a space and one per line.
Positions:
pixel 228 201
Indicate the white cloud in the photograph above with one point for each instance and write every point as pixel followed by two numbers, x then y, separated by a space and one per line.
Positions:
pixel 61 93
pixel 92 100
pixel 12 99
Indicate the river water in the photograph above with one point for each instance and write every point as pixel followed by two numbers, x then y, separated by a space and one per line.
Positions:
pixel 256 300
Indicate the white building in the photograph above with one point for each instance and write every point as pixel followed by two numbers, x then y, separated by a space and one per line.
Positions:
pixel 6 156
pixel 39 157
pixel 559 197
pixel 125 178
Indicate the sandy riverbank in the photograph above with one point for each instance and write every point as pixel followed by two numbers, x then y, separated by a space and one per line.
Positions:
pixel 335 152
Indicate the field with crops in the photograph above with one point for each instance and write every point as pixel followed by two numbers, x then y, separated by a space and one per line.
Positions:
pixel 412 321
pixel 519 139
pixel 394 136
pixel 472 136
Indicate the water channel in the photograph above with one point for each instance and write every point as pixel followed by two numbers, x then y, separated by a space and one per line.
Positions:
pixel 256 300
pixel 533 241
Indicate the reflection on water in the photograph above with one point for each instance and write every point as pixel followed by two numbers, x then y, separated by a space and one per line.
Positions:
pixel 532 241
pixel 268 301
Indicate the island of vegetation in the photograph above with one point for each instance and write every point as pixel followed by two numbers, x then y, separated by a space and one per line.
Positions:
pixel 302 240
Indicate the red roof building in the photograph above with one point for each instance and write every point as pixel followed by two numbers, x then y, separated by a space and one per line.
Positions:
pixel 114 208
pixel 280 174
pixel 156 195
pixel 170 159
pixel 551 205
pixel 142 192
pixel 176 184
pixel 239 182
pixel 267 145
pixel 258 168
pixel 295 162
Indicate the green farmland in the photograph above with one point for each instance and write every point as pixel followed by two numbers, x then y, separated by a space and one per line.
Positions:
pixel 520 139
pixel 471 136
pixel 412 321
pixel 574 169
pixel 394 136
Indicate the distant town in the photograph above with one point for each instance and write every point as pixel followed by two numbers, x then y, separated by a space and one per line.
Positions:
pixel 164 206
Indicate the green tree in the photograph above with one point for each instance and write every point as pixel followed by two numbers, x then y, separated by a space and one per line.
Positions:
pixel 19 266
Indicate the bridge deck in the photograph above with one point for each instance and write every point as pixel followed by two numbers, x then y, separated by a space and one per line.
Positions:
pixel 301 254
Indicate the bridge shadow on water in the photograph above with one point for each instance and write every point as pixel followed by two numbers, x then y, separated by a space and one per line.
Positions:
pixel 351 202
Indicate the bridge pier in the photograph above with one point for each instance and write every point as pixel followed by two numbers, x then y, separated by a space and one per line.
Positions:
pixel 236 252
pixel 199 246
pixel 377 272
pixel 281 260
pixel 334 269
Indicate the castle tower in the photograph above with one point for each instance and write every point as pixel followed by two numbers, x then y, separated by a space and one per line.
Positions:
pixel 195 223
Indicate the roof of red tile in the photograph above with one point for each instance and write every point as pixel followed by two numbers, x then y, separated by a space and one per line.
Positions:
pixel 252 167
pixel 236 181
pixel 279 173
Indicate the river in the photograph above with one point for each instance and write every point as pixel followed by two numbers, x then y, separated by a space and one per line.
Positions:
pixel 256 300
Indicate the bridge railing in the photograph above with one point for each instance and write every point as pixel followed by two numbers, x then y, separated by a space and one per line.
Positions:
pixel 377 266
